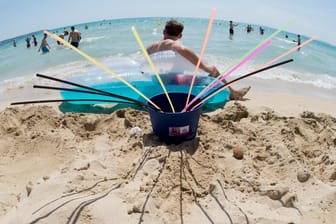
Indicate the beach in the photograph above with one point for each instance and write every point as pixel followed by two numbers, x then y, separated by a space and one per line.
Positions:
pixel 268 159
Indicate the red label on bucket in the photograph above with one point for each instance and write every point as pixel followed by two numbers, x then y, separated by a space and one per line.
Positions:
pixel 178 131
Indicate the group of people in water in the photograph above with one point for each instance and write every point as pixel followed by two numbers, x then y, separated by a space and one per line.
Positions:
pixel 249 29
pixel 74 39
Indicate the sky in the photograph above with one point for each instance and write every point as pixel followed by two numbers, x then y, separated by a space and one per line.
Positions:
pixel 312 17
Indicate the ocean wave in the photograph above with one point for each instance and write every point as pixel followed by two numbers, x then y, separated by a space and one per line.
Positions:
pixel 285 73
pixel 92 39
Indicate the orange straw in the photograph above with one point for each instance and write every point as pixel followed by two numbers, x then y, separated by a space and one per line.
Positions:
pixel 212 16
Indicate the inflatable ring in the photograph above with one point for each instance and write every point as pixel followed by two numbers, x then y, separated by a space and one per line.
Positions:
pixel 169 62
pixel 124 67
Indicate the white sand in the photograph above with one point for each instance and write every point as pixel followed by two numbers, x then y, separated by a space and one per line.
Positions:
pixel 87 168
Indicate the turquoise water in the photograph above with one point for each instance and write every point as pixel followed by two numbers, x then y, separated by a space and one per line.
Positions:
pixel 108 39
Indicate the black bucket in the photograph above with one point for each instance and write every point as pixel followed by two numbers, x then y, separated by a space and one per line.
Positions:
pixel 174 127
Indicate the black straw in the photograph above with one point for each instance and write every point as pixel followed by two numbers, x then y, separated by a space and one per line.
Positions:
pixel 105 93
pixel 211 94
pixel 71 100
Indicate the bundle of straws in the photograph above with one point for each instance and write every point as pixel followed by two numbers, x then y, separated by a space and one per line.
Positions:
pixel 190 105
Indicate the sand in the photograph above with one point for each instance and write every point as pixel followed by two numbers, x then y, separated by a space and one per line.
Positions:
pixel 263 160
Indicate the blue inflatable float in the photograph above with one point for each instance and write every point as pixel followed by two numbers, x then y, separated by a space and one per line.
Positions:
pixel 175 72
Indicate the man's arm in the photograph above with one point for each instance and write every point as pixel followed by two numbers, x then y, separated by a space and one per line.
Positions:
pixel 193 58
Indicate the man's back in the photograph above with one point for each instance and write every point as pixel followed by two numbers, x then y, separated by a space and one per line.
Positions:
pixel 75 36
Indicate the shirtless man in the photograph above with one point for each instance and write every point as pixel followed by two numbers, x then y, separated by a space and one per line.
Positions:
pixel 171 35
pixel 75 37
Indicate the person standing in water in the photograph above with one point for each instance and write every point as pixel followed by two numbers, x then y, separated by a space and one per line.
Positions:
pixel 231 29
pixel 44 45
pixel 74 37
pixel 261 30
pixel 34 40
pixel 172 34
pixel 298 41
pixel 28 42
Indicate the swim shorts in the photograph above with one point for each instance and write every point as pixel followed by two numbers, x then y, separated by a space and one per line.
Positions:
pixel 75 44
pixel 45 49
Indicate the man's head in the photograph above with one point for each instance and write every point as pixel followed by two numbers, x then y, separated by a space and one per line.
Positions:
pixel 173 28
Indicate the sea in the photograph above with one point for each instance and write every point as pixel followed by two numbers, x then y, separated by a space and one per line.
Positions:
pixel 109 40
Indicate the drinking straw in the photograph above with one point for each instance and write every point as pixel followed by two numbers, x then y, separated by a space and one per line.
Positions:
pixel 212 16
pixel 137 37
pixel 245 55
pixel 89 92
pixel 90 88
pixel 70 100
pixel 259 69
pixel 258 50
pixel 216 91
pixel 102 66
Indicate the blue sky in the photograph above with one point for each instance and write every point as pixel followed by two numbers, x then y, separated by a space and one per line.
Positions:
pixel 313 17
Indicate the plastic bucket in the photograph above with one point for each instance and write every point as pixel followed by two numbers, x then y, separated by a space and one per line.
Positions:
pixel 174 127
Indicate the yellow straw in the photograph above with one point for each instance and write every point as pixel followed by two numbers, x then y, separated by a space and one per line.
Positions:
pixel 105 68
pixel 212 16
pixel 137 37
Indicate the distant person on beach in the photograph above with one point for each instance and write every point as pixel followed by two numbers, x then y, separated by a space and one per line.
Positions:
pixel 14 43
pixel 74 37
pixel 172 34
pixel 34 40
pixel 231 28
pixel 44 45
pixel 28 42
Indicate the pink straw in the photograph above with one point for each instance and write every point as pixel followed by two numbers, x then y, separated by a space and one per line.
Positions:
pixel 249 57
pixel 261 67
